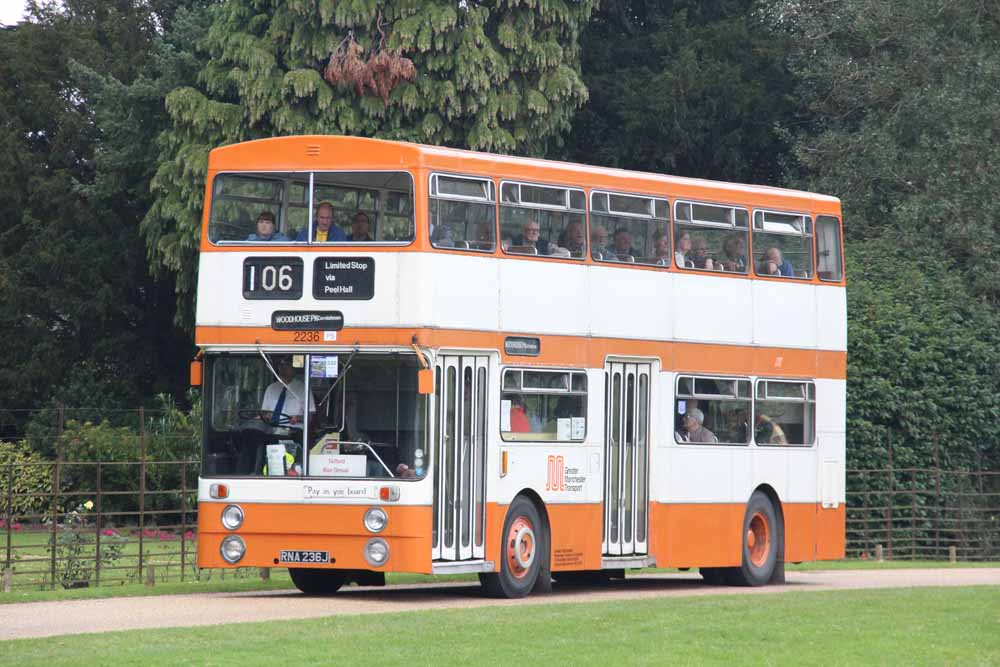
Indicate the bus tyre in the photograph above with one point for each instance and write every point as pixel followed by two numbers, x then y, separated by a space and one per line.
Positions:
pixel 762 536
pixel 317 582
pixel 525 545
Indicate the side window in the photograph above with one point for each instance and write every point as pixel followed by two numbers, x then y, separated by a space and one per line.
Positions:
pixel 785 413
pixel 543 406
pixel 829 264
pixel 629 228
pixel 710 237
pixel 360 207
pixel 462 213
pixel 783 244
pixel 542 220
pixel 239 201
pixel 712 411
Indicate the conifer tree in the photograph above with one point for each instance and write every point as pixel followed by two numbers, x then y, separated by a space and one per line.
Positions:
pixel 500 76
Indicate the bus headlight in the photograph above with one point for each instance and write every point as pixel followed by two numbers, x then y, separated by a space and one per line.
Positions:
pixel 376 519
pixel 233 549
pixel 377 552
pixel 232 517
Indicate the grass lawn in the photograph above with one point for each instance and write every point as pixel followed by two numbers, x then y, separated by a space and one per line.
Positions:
pixel 929 626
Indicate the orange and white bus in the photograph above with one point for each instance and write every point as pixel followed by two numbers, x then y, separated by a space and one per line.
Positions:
pixel 421 359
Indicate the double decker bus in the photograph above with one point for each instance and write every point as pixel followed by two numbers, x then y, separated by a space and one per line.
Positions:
pixel 428 360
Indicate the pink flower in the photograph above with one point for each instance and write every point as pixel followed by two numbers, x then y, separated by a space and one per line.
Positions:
pixel 16 527
pixel 148 533
pixel 109 532
pixel 3 523
pixel 189 535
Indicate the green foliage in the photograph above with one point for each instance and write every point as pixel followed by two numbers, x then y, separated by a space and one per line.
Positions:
pixel 923 354
pixel 903 105
pixel 500 76
pixel 689 88
pixel 25 481
pixel 76 297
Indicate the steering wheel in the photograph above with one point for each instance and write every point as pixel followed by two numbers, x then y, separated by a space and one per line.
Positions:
pixel 275 419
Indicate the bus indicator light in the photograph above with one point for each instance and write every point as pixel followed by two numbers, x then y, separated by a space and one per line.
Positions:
pixel 388 493
pixel 219 491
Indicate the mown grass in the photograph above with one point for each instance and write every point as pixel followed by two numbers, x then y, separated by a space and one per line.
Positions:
pixel 930 626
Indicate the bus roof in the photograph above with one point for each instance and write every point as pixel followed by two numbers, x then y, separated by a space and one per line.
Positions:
pixel 316 152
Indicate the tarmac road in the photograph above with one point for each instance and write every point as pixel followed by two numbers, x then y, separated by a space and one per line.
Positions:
pixel 43 619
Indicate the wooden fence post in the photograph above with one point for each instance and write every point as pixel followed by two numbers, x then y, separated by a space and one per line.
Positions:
pixel 184 465
pixel 56 484
pixel 892 499
pixel 97 530
pixel 142 485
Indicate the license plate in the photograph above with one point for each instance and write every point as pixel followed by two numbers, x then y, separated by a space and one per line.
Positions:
pixel 287 556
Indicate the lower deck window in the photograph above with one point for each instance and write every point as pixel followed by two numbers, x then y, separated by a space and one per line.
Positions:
pixel 327 415
pixel 712 411
pixel 543 406
pixel 785 413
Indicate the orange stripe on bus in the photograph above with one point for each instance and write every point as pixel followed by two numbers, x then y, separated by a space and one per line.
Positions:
pixel 570 350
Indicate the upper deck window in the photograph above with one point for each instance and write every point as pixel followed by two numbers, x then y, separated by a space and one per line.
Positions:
pixel 710 237
pixel 542 220
pixel 463 213
pixel 829 263
pixel 782 243
pixel 629 228
pixel 360 207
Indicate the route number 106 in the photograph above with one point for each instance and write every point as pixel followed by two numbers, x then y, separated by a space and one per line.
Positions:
pixel 272 278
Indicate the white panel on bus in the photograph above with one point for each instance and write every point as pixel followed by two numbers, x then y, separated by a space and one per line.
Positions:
pixel 697 474
pixel 784 314
pixel 627 303
pixel 221 302
pixel 542 297
pixel 464 290
pixel 831 405
pixel 831 310
pixel 712 309
pixel 744 476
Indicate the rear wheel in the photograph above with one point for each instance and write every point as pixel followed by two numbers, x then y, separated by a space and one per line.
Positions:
pixel 525 545
pixel 762 537
pixel 317 582
pixel 714 576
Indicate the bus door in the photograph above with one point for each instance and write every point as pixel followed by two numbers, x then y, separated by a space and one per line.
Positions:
pixel 461 390
pixel 626 456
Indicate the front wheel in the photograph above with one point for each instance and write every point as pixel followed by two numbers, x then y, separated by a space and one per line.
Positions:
pixel 525 544
pixel 317 582
pixel 762 537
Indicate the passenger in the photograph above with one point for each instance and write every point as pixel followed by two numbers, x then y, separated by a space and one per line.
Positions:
pixel 734 252
pixel 359 228
pixel 518 417
pixel 572 239
pixel 484 234
pixel 531 237
pixel 693 429
pixel 773 264
pixel 623 243
pixel 700 257
pixel 599 242
pixel 768 432
pixel 283 405
pixel 266 229
pixel 661 248
pixel 325 231
pixel 682 247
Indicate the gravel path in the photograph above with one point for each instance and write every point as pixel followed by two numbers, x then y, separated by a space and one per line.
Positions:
pixel 42 619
